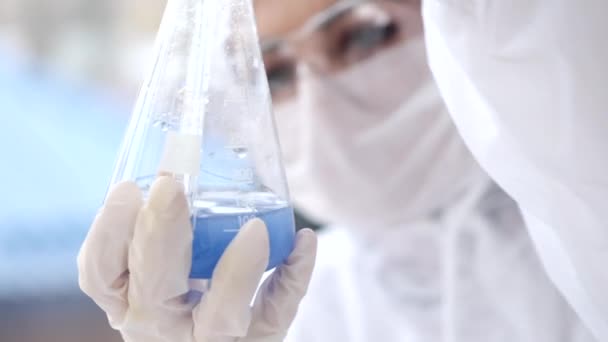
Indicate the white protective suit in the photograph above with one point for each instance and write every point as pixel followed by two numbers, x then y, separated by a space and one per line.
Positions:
pixel 525 92
pixel 535 71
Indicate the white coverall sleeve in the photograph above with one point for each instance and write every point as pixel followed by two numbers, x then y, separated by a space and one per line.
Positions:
pixel 526 83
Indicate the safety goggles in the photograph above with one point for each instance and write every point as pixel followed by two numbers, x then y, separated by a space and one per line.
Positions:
pixel 345 34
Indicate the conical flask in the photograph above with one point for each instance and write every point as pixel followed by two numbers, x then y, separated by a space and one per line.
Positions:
pixel 204 116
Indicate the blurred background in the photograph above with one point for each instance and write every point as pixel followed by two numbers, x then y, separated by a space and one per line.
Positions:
pixel 69 74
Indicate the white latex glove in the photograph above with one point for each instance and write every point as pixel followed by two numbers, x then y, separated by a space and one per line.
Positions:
pixel 136 260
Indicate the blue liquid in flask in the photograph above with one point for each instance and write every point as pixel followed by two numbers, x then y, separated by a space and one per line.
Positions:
pixel 217 221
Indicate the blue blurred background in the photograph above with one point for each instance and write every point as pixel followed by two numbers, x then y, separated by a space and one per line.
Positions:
pixel 69 72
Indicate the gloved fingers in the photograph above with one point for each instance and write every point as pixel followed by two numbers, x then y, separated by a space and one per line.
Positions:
pixel 277 301
pixel 103 257
pixel 224 313
pixel 159 265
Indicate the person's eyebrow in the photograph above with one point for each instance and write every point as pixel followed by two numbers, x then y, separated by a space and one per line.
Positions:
pixel 331 15
pixel 322 21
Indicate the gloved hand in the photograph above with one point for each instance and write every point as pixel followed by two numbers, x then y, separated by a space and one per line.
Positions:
pixel 136 260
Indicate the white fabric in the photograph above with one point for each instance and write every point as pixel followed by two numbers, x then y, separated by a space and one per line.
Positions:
pixel 430 254
pixel 136 260
pixel 469 274
pixel 352 158
pixel 525 82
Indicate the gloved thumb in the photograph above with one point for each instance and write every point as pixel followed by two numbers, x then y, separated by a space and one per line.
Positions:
pixel 225 309
pixel 277 302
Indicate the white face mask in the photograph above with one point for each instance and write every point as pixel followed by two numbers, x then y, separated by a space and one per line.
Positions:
pixel 373 145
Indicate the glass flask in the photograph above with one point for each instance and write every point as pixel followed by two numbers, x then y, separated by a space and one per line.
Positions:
pixel 204 116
